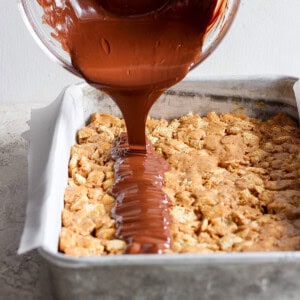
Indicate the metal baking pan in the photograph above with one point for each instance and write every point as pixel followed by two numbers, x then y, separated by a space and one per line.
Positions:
pixel 188 276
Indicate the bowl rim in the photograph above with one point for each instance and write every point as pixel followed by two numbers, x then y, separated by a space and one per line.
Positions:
pixel 38 38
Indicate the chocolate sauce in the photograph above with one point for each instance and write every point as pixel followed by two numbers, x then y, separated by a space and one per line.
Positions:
pixel 133 50
pixel 141 210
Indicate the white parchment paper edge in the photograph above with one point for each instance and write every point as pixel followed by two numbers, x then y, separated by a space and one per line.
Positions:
pixel 52 133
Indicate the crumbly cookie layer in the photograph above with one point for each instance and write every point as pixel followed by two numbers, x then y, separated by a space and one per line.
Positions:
pixel 234 184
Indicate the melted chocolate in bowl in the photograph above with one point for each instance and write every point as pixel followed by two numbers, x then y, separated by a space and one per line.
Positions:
pixel 133 50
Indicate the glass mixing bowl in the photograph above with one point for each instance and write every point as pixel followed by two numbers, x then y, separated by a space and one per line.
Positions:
pixel 32 14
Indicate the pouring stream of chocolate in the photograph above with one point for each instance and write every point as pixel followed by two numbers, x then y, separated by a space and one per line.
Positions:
pixel 133 50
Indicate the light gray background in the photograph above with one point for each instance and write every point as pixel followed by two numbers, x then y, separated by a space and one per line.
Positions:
pixel 264 39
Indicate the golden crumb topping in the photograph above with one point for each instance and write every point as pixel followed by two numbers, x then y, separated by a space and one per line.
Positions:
pixel 234 184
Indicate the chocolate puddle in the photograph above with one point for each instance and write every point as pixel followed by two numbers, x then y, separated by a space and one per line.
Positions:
pixel 133 50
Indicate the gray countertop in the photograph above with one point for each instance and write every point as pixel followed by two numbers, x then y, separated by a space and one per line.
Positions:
pixel 24 276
